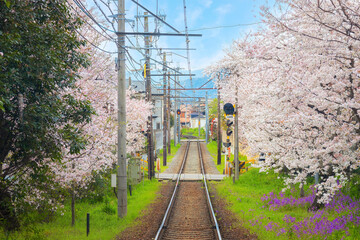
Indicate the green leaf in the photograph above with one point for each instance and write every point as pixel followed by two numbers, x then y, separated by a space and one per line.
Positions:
pixel 2 106
pixel 8 3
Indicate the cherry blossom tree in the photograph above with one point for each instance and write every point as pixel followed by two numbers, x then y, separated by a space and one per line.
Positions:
pixel 97 85
pixel 298 78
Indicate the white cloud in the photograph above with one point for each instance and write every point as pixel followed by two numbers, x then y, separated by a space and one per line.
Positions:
pixel 204 61
pixel 224 9
pixel 206 3
pixel 194 15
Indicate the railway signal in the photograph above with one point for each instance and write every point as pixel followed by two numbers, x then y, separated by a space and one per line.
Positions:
pixel 229 109
pixel 178 112
pixel 229 112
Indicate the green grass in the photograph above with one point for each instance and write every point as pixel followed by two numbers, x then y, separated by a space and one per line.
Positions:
pixel 102 225
pixel 212 147
pixel 193 132
pixel 244 199
pixel 169 158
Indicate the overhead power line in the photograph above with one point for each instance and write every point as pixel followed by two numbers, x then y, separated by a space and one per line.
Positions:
pixel 225 26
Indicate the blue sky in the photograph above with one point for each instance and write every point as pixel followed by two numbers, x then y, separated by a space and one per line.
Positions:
pixel 201 15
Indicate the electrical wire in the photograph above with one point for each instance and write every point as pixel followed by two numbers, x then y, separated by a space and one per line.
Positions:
pixel 83 8
pixel 110 39
pixel 225 26
pixel 83 35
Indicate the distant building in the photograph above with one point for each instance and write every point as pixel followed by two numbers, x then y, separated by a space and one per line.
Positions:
pixel 195 120
pixel 185 115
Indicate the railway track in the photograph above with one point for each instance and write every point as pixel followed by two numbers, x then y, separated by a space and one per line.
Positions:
pixel 189 214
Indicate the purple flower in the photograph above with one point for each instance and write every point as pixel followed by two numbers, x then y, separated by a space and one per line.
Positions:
pixel 288 218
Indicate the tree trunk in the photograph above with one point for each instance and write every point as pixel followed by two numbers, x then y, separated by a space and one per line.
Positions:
pixel 315 205
pixel 7 212
pixel 73 208
pixel 302 193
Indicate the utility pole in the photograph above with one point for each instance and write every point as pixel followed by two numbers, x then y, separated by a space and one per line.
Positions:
pixel 199 119
pixel 168 117
pixel 121 170
pixel 179 126
pixel 165 113
pixel 207 119
pixel 179 122
pixel 236 136
pixel 185 114
pixel 149 99
pixel 175 119
pixel 218 131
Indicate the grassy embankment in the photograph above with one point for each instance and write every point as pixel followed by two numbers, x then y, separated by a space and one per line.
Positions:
pixel 212 147
pixel 104 223
pixel 174 150
pixel 193 132
pixel 244 198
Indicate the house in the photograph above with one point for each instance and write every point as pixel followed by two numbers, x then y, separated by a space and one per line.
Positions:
pixel 185 115
pixel 194 120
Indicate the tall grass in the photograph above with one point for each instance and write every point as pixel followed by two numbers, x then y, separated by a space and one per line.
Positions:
pixel 104 223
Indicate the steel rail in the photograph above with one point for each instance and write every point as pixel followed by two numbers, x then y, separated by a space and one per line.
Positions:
pixel 173 195
pixel 207 193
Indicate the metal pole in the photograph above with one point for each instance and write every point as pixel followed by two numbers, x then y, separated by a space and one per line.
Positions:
pixel 207 119
pixel 87 224
pixel 168 117
pixel 179 128
pixel 165 114
pixel 121 170
pixel 218 131
pixel 175 120
pixel 185 115
pixel 199 119
pixel 148 98
pixel 179 123
pixel 236 137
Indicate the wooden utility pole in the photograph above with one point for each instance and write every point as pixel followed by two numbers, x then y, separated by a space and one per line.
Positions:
pixel 121 170
pixel 151 172
pixel 236 137
pixel 218 131
pixel 165 113
pixel 168 117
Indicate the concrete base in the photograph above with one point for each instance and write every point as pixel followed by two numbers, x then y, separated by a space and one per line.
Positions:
pixel 190 177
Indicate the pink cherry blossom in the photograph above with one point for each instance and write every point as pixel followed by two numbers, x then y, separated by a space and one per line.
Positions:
pixel 297 83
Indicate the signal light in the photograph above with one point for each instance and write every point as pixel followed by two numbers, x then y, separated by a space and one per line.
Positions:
pixel 229 122
pixel 178 112
pixel 229 132
pixel 227 144
pixel 229 109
